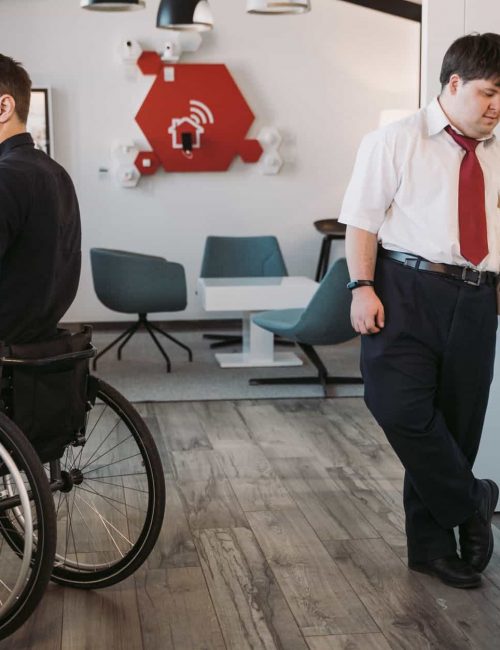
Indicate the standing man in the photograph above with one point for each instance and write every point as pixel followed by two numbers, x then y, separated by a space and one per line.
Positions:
pixel 39 223
pixel 423 248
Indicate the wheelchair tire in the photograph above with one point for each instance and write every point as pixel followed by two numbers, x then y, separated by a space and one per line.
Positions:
pixel 127 514
pixel 22 475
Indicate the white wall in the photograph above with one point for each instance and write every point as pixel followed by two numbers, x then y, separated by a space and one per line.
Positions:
pixel 321 78
pixel 442 22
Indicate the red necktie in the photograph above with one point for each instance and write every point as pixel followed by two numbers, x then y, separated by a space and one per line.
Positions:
pixel 471 210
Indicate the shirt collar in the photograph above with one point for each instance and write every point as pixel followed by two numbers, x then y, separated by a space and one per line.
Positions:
pixel 19 140
pixel 437 120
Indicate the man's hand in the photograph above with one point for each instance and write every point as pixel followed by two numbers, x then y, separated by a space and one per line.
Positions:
pixel 367 312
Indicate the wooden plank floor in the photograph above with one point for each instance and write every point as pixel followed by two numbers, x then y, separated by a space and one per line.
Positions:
pixel 284 530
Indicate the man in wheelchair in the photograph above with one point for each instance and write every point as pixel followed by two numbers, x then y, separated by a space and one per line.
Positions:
pixel 39 223
pixel 91 514
pixel 39 261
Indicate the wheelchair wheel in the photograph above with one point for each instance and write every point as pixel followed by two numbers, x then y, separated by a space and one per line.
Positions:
pixel 110 512
pixel 26 563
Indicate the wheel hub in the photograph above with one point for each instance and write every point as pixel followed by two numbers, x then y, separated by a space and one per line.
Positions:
pixel 70 479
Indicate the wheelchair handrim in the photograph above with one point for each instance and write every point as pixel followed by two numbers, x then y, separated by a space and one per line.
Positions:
pixel 28 533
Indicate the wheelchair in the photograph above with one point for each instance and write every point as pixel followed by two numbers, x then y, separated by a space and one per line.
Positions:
pixel 82 490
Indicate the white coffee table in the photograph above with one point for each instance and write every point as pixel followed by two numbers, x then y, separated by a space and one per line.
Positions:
pixel 251 295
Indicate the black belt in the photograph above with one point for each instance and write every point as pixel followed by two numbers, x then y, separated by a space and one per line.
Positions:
pixel 464 273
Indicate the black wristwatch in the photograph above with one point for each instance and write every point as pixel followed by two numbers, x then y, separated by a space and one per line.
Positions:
pixel 354 284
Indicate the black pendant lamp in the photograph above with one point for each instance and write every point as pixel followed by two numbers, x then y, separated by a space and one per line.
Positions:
pixel 112 5
pixel 185 15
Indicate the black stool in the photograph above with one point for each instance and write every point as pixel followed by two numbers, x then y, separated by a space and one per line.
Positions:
pixel 330 229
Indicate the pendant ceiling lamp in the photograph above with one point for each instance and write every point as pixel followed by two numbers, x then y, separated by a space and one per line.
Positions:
pixel 185 15
pixel 112 5
pixel 278 6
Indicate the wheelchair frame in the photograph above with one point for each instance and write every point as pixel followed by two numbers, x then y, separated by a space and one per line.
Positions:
pixel 29 518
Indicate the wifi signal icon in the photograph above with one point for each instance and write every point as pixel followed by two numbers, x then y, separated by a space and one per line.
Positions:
pixel 200 113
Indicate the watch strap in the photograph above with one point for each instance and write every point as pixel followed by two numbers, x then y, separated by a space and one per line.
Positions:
pixel 354 284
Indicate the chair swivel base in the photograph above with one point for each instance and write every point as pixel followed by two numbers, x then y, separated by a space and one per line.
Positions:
pixel 306 380
pixel 322 378
pixel 223 340
pixel 226 340
pixel 151 329
pixel 323 381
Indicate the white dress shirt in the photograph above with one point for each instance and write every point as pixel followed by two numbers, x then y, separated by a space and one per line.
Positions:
pixel 404 187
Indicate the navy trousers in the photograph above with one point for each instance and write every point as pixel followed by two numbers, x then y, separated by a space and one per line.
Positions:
pixel 427 376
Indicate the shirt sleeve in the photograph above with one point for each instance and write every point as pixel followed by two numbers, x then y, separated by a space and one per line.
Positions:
pixel 11 210
pixel 372 186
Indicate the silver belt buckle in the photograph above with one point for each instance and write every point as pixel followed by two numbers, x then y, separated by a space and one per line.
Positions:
pixel 476 282
pixel 408 262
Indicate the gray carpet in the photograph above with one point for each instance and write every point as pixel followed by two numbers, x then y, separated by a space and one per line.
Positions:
pixel 141 374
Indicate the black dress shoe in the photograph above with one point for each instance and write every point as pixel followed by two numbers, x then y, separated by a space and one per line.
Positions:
pixel 476 537
pixel 451 570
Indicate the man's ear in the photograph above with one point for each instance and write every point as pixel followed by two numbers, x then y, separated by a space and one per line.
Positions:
pixel 7 108
pixel 454 83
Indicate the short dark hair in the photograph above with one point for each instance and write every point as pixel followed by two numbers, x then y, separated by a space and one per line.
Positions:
pixel 476 56
pixel 15 81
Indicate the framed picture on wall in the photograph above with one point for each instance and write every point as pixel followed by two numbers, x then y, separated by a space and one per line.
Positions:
pixel 39 120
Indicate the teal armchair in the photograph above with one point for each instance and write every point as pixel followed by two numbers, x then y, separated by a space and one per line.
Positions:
pixel 325 321
pixel 240 257
pixel 132 283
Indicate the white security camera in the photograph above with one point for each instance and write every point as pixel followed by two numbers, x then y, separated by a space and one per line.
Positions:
pixel 130 51
pixel 171 52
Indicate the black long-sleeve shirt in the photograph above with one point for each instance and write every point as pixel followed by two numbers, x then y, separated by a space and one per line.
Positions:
pixel 40 239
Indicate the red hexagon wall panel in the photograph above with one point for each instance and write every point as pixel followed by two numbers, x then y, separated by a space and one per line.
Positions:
pixel 200 102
